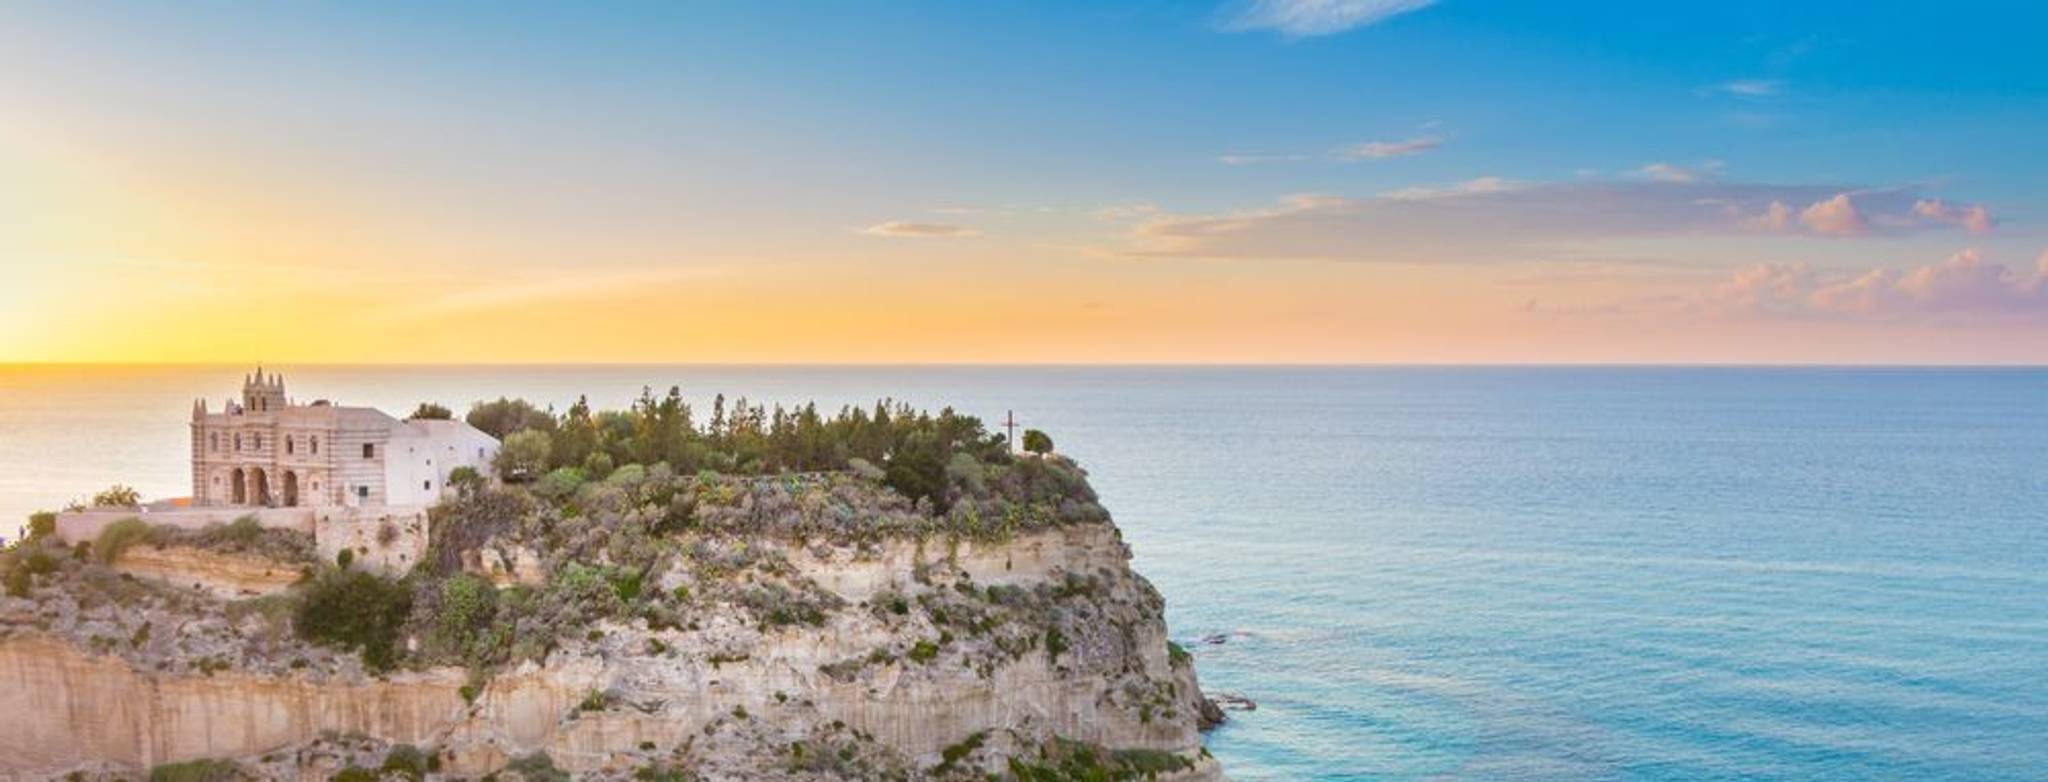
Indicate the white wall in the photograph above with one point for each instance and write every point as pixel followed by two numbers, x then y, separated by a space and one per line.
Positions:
pixel 422 453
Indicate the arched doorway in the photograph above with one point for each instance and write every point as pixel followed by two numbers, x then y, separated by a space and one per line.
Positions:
pixel 237 489
pixel 259 487
pixel 291 489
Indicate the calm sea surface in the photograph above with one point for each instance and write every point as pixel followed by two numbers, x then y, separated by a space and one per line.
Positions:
pixel 1484 574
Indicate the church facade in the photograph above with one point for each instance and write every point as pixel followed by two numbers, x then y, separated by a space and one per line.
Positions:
pixel 264 451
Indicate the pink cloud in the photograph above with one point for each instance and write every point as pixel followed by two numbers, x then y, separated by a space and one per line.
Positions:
pixel 1964 285
pixel 1777 217
pixel 1836 216
pixel 1975 219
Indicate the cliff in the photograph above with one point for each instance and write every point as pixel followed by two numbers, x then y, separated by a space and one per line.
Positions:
pixel 813 628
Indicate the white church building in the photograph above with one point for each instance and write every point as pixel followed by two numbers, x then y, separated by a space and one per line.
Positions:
pixel 264 451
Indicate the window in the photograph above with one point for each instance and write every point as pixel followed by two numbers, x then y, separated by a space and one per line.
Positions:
pixel 258 446
pixel 426 485
pixel 213 441
pixel 363 491
pixel 369 450
pixel 238 442
pixel 291 444
pixel 316 445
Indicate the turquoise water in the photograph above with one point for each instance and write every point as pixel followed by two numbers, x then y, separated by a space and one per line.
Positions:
pixel 1429 574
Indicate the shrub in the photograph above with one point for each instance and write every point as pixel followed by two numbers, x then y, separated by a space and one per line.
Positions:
pixel 117 496
pixel 242 533
pixel 923 652
pixel 597 465
pixel 468 604
pixel 18 581
pixel 41 524
pixel 406 760
pixel 208 770
pixel 466 480
pixel 1055 643
pixel 354 773
pixel 537 767
pixel 344 558
pixel 559 484
pixel 352 609
pixel 118 536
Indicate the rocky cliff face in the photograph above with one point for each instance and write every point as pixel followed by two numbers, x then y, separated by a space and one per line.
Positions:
pixel 934 657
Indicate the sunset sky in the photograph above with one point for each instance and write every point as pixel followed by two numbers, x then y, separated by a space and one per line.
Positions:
pixel 1273 181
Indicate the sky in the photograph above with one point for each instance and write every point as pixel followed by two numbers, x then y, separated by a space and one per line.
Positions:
pixel 1243 181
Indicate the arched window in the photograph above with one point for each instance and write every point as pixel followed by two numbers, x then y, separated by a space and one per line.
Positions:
pixel 316 445
pixel 291 444
pixel 238 441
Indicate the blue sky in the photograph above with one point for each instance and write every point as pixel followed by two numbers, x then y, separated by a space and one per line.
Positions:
pixel 998 140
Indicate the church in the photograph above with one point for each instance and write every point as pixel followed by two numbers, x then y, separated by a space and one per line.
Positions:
pixel 263 451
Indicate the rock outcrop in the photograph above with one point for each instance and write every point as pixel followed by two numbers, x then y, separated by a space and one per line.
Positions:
pixel 941 653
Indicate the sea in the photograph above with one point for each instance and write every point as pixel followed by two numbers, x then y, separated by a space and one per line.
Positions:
pixel 1439 573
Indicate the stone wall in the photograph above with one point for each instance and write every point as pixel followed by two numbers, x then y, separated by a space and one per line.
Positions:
pixel 386 539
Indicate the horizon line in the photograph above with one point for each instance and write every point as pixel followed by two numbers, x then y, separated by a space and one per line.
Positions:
pixel 1039 364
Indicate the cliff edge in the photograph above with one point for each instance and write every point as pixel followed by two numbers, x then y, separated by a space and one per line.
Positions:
pixel 639 624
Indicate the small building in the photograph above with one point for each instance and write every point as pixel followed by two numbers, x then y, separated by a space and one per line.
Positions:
pixel 264 451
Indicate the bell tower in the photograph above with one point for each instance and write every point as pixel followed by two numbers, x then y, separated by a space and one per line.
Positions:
pixel 261 394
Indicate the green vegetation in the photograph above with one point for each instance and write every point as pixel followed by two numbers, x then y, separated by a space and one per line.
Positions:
pixel 1037 442
pixel 208 770
pixel 41 524
pixel 429 411
pixel 1063 760
pixel 117 537
pixel 355 610
pixel 407 761
pixel 523 456
pixel 355 774
pixel 537 767
pixel 117 496
pixel 466 480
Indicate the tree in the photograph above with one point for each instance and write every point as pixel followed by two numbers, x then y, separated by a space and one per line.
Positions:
pixel 1037 442
pixel 524 456
pixel 466 480
pixel 503 417
pixel 918 469
pixel 117 496
pixel 354 609
pixel 428 411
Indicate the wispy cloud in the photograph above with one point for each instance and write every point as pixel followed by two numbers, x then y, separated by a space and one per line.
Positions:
pixel 1481 186
pixel 907 229
pixel 1247 160
pixel 1491 219
pixel 1307 18
pixel 1376 150
pixel 1673 172
pixel 1746 88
